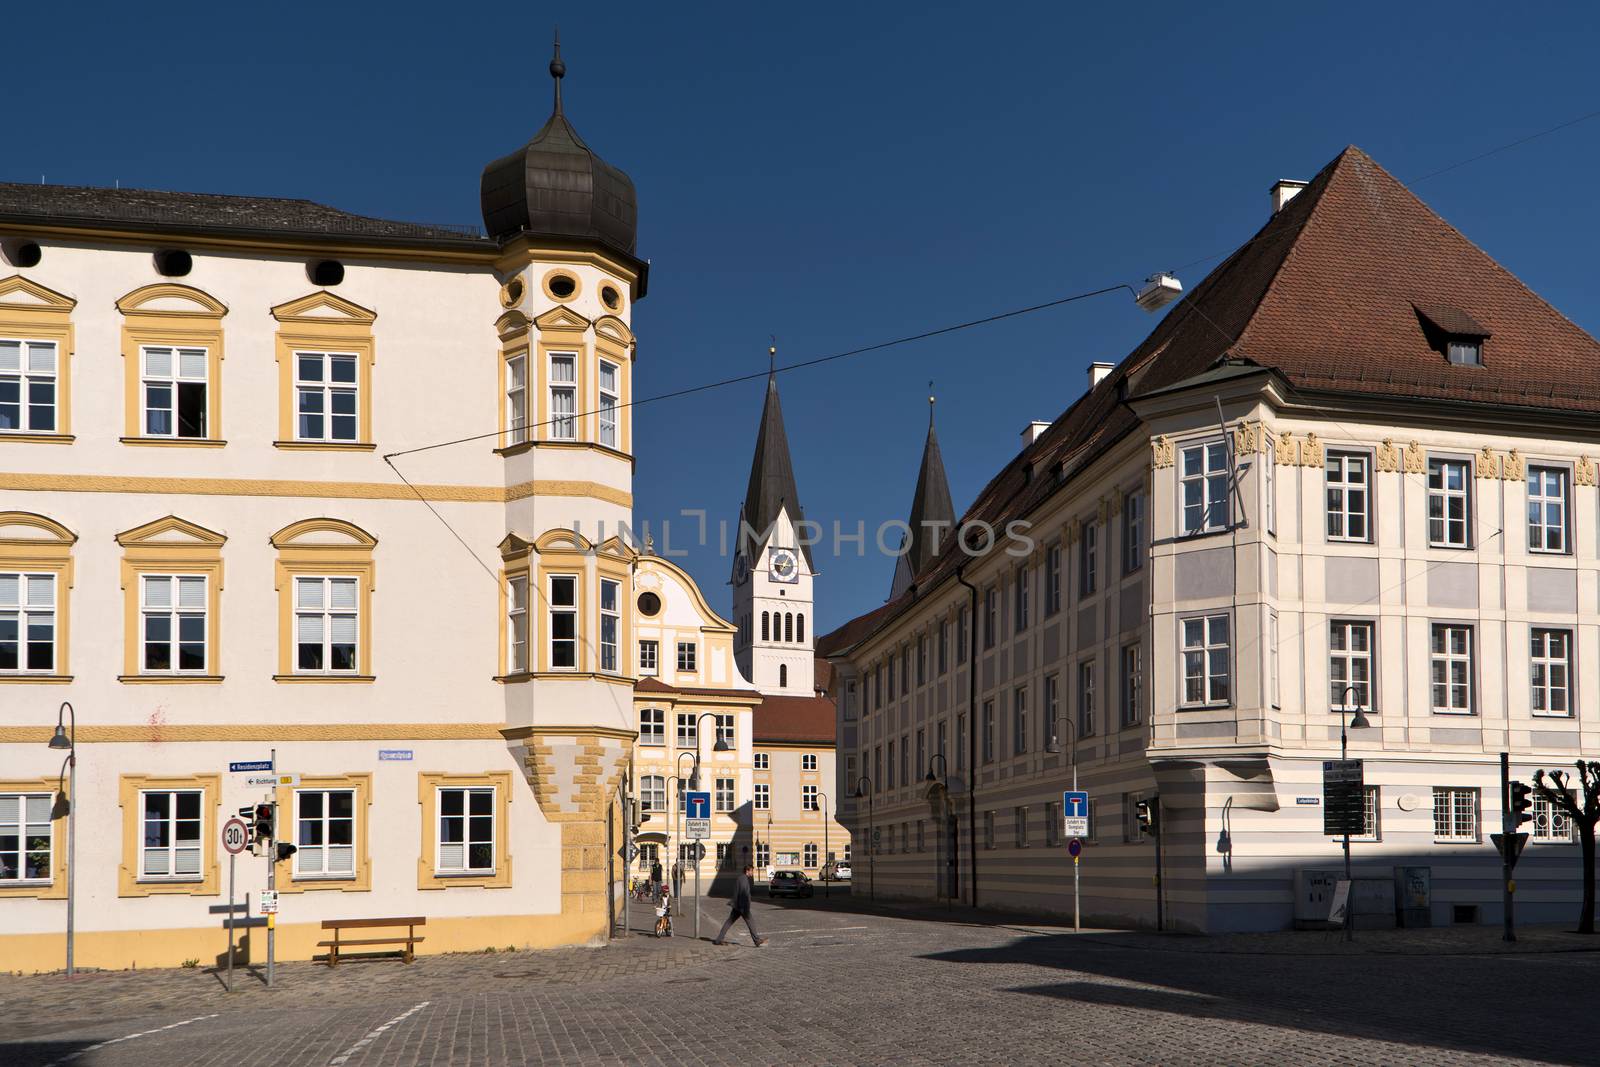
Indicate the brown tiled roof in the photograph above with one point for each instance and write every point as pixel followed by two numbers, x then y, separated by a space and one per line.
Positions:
pixel 653 685
pixel 795 719
pixel 1327 295
pixel 822 674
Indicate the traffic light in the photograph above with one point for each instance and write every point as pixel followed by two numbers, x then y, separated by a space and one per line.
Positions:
pixel 1521 804
pixel 285 850
pixel 263 821
pixel 1149 815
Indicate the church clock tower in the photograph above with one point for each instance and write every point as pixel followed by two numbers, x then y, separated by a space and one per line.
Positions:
pixel 772 570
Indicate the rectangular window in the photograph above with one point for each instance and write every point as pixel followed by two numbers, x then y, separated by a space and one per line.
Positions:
pixel 941 738
pixel 905 760
pixel 1348 482
pixel 1550 825
pixel 1203 488
pixel 988 731
pixel 1052 823
pixel 688 730
pixel 763 855
pixel 26 841
pixel 563 622
pixel 466 831
pixel 1086 705
pixel 808 762
pixel 1450 659
pixel 1273 693
pixel 905 671
pixel 988 829
pixel 1052 579
pixel 724 850
pixel 1369 815
pixel 724 724
pixel 173 621
pixel 1547 509
pixel 991 616
pixel 517 623
pixel 891 765
pixel 808 798
pixel 325 625
pixel 325 833
pixel 877 685
pixel 944 646
pixel 28 386
pixel 27 623
pixel 889 670
pixel 1465 351
pixel 961 741
pixel 921 836
pixel 1551 669
pixel 1088 558
pixel 1205 660
pixel 1271 487
pixel 1349 665
pixel 652 726
pixel 1019 721
pixel 1132 685
pixel 609 396
pixel 922 660
pixel 173 391
pixel 962 622
pixel 877 769
pixel 1019 601
pixel 1449 506
pixel 1022 826
pixel 686 656
pixel 763 796
pixel 610 624
pixel 325 396
pixel 171 830
pixel 1455 814
pixel 516 400
pixel 649 654
pixel 922 750
pixel 563 396
pixel 763 762
pixel 809 854
pixel 1133 532
pixel 1052 707
pixel 723 798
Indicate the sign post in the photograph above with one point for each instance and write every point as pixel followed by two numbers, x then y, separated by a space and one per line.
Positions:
pixel 697 810
pixel 1343 809
pixel 1075 824
pixel 272 881
pixel 235 838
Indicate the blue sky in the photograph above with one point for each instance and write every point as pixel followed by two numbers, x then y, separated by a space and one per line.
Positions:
pixel 841 175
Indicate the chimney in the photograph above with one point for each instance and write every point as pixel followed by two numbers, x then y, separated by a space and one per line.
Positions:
pixel 1098 372
pixel 1283 191
pixel 1033 431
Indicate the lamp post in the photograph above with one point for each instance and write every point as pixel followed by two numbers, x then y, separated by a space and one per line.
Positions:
pixel 932 779
pixel 1357 721
pixel 694 782
pixel 676 837
pixel 67 740
pixel 1053 746
pixel 826 857
pixel 872 847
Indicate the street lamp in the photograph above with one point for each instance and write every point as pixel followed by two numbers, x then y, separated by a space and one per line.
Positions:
pixel 1053 746
pixel 67 741
pixel 694 782
pixel 941 828
pixel 826 857
pixel 1357 721
pixel 872 847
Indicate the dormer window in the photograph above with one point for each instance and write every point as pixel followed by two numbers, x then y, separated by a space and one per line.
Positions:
pixel 1465 351
pixel 1452 332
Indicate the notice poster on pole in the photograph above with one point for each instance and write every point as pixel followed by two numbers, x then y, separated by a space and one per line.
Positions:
pixel 1339 907
pixel 1343 797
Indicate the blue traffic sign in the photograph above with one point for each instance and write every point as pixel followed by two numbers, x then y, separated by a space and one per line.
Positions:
pixel 250 765
pixel 1075 804
pixel 698 805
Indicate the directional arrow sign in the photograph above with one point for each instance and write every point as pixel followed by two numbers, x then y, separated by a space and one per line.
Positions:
pixel 1075 813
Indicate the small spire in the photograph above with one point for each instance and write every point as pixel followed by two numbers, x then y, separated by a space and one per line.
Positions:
pixel 931 401
pixel 772 357
pixel 558 70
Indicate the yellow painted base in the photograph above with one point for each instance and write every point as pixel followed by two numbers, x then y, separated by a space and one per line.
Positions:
pixel 123 949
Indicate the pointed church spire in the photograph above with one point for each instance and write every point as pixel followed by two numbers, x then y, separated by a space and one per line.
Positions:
pixel 930 504
pixel 772 487
pixel 558 70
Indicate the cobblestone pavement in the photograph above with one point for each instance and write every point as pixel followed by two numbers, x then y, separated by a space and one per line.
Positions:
pixel 841 983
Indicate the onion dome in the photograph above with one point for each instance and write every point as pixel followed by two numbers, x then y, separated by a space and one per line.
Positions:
pixel 555 186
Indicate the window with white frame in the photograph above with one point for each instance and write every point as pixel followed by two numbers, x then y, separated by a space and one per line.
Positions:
pixel 922 659
pixel 610 394
pixel 1270 485
pixel 1088 558
pixel 517 623
pixel 808 798
pixel 652 726
pixel 1205 640
pixel 991 616
pixel 1449 503
pixel 26 841
pixel 962 621
pixel 649 855
pixel 325 396
pixel 1052 823
pixel 563 396
pixel 173 391
pixel 466 830
pixel 688 730
pixel 763 762
pixel 27 623
pixel 961 737
pixel 808 762
pixel 171 824
pixel 1132 684
pixel 1019 601
pixel 763 855
pixel 563 622
pixel 1347 477
pixel 724 850
pixel 1273 694
pixel 810 854
pixel 922 748
pixel 1349 665
pixel 1370 807
pixel 173 623
pixel 1203 488
pixel 649 655
pixel 724 724
pixel 1052 708
pixel 28 390
pixel 943 655
pixel 1133 523
pixel 1550 825
pixel 988 731
pixel 1022 825
pixel 325 833
pixel 763 799
pixel 1551 672
pixel 610 624
pixel 1052 580
pixel 1465 351
pixel 1087 724
pixel 988 829
pixel 325 625
pixel 516 400
pixel 1450 660
pixel 723 794
pixel 1547 509
pixel 686 655
pixel 1455 814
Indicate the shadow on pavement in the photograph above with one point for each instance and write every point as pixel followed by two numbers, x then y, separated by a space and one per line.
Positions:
pixel 39 1053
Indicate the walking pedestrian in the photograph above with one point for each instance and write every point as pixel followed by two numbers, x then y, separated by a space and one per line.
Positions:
pixel 655 878
pixel 739 908
pixel 677 879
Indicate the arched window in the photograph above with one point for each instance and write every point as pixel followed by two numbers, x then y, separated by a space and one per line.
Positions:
pixel 764 632
pixel 783 676
pixel 788 626
pixel 800 628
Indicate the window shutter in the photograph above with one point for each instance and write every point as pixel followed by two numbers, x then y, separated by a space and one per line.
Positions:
pixel 191 363
pixel 343 629
pixel 343 594
pixel 308 593
pixel 10 810
pixel 191 592
pixel 310 629
pixel 188 861
pixel 158 361
pixel 11 355
pixel 42 357
pixel 158 592
pixel 342 859
pixel 451 856
pixel 38 807
pixel 10 589
pixel 41 591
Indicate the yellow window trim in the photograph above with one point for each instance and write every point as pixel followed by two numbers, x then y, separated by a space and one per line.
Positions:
pixel 428 784
pixel 29 310
pixel 300 555
pixel 322 322
pixel 361 881
pixel 562 565
pixel 151 549
pixel 46 547
pixel 56 889
pixel 197 324
pixel 128 789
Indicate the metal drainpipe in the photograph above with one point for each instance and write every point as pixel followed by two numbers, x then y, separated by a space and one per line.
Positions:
pixel 972 727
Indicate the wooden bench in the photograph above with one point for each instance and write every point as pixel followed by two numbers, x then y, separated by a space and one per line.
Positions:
pixel 409 940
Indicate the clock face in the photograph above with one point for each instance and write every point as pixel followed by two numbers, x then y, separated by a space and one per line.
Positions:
pixel 741 569
pixel 784 567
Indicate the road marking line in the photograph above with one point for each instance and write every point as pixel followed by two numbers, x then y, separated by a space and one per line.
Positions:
pixel 374 1034
pixel 822 930
pixel 129 1037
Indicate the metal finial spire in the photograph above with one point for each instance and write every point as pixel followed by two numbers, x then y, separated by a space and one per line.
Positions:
pixel 931 401
pixel 772 357
pixel 558 69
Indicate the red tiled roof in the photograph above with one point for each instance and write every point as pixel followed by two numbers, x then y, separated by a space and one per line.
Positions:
pixel 821 674
pixel 795 719
pixel 654 685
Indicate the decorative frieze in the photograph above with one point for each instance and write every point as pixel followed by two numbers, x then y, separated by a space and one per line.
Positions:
pixel 1311 451
pixel 1388 456
pixel 1161 452
pixel 1583 471
pixel 1487 463
pixel 1512 468
pixel 1416 460
pixel 1287 451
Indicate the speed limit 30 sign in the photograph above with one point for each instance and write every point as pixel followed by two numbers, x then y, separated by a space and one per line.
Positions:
pixel 235 836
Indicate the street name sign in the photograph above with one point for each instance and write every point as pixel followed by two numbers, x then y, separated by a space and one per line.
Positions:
pixel 1075 813
pixel 273 779
pixel 235 836
pixel 1343 793
pixel 402 755
pixel 697 815
pixel 250 765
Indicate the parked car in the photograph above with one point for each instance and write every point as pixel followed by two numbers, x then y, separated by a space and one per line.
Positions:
pixel 838 871
pixel 789 884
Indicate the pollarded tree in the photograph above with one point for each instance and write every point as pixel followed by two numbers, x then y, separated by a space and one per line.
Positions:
pixel 1583 808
